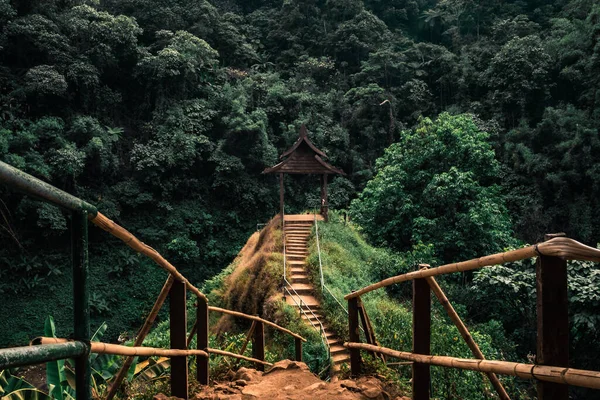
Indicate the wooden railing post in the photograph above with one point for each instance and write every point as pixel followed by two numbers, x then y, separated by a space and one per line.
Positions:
pixel 421 377
pixel 178 332
pixel 354 335
pixel 258 344
pixel 202 327
pixel 298 347
pixel 552 321
pixel 81 307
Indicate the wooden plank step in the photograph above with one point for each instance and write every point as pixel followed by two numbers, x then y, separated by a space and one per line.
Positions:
pixel 296 237
pixel 310 317
pixel 300 279
pixel 296 263
pixel 296 250
pixel 307 300
pixel 303 217
pixel 331 340
pixel 337 348
pixel 303 286
pixel 341 358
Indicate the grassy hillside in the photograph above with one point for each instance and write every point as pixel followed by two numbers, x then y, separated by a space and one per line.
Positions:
pixel 252 284
pixel 350 263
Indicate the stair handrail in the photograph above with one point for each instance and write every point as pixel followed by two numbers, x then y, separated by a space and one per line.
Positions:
pixel 286 287
pixel 324 287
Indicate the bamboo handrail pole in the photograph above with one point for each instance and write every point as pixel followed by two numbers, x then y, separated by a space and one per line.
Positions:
pixel 192 334
pixel 558 247
pixel 500 258
pixel 466 335
pixel 255 318
pixel 120 350
pixel 160 300
pixel 104 223
pixel 248 337
pixel 567 376
pixel 241 357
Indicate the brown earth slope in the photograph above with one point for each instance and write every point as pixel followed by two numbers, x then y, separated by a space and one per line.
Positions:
pixel 291 380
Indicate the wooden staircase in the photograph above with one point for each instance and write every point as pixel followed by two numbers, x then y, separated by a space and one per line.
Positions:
pixel 297 229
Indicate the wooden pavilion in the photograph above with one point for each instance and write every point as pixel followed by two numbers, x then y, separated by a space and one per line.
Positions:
pixel 304 158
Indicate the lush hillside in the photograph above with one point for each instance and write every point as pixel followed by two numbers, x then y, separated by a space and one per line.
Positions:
pixel 164 113
pixel 350 263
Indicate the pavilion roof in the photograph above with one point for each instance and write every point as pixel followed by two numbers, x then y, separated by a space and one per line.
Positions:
pixel 303 158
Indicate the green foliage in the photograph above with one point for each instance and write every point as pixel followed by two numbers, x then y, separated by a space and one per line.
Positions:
pixel 349 263
pixel 15 388
pixel 437 186
pixel 165 113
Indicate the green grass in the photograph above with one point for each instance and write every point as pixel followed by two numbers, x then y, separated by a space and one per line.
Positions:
pixel 350 263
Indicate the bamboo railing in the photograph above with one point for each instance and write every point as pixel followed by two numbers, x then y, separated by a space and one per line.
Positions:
pixel 174 289
pixel 562 247
pixel 552 372
pixel 120 350
pixel 562 375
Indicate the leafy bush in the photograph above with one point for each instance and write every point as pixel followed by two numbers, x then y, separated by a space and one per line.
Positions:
pixel 437 186
pixel 349 263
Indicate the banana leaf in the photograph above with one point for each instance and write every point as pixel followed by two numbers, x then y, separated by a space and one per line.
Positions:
pixel 154 370
pixel 27 394
pixel 10 383
pixel 55 370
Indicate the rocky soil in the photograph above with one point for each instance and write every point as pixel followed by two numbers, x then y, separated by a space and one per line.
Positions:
pixel 291 380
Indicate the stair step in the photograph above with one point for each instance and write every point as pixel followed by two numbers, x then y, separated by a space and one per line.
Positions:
pixel 341 358
pixel 336 349
pixel 307 301
pixel 295 263
pixel 333 339
pixel 291 242
pixel 311 317
pixel 300 279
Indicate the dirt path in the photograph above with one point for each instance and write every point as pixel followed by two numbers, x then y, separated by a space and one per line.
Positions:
pixel 291 380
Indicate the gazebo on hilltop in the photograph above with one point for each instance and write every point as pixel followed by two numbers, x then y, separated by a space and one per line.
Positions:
pixel 304 158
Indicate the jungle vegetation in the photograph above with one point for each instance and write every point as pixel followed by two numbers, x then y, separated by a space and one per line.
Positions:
pixel 464 127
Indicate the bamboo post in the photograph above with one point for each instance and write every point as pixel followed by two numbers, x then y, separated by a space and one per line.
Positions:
pixel 363 319
pixel 160 300
pixel 258 344
pixel 81 305
pixel 298 348
pixel 421 377
pixel 202 327
pixel 248 337
pixel 178 337
pixel 369 328
pixel 354 336
pixel 191 335
pixel 466 335
pixel 552 320
pixel 281 191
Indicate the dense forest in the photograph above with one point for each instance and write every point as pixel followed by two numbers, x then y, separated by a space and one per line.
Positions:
pixel 471 126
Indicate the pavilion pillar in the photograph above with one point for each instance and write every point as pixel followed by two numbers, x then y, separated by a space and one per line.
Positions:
pixel 281 210
pixel 324 203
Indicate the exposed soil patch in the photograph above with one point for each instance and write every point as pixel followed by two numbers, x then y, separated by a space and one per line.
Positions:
pixel 36 375
pixel 291 380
